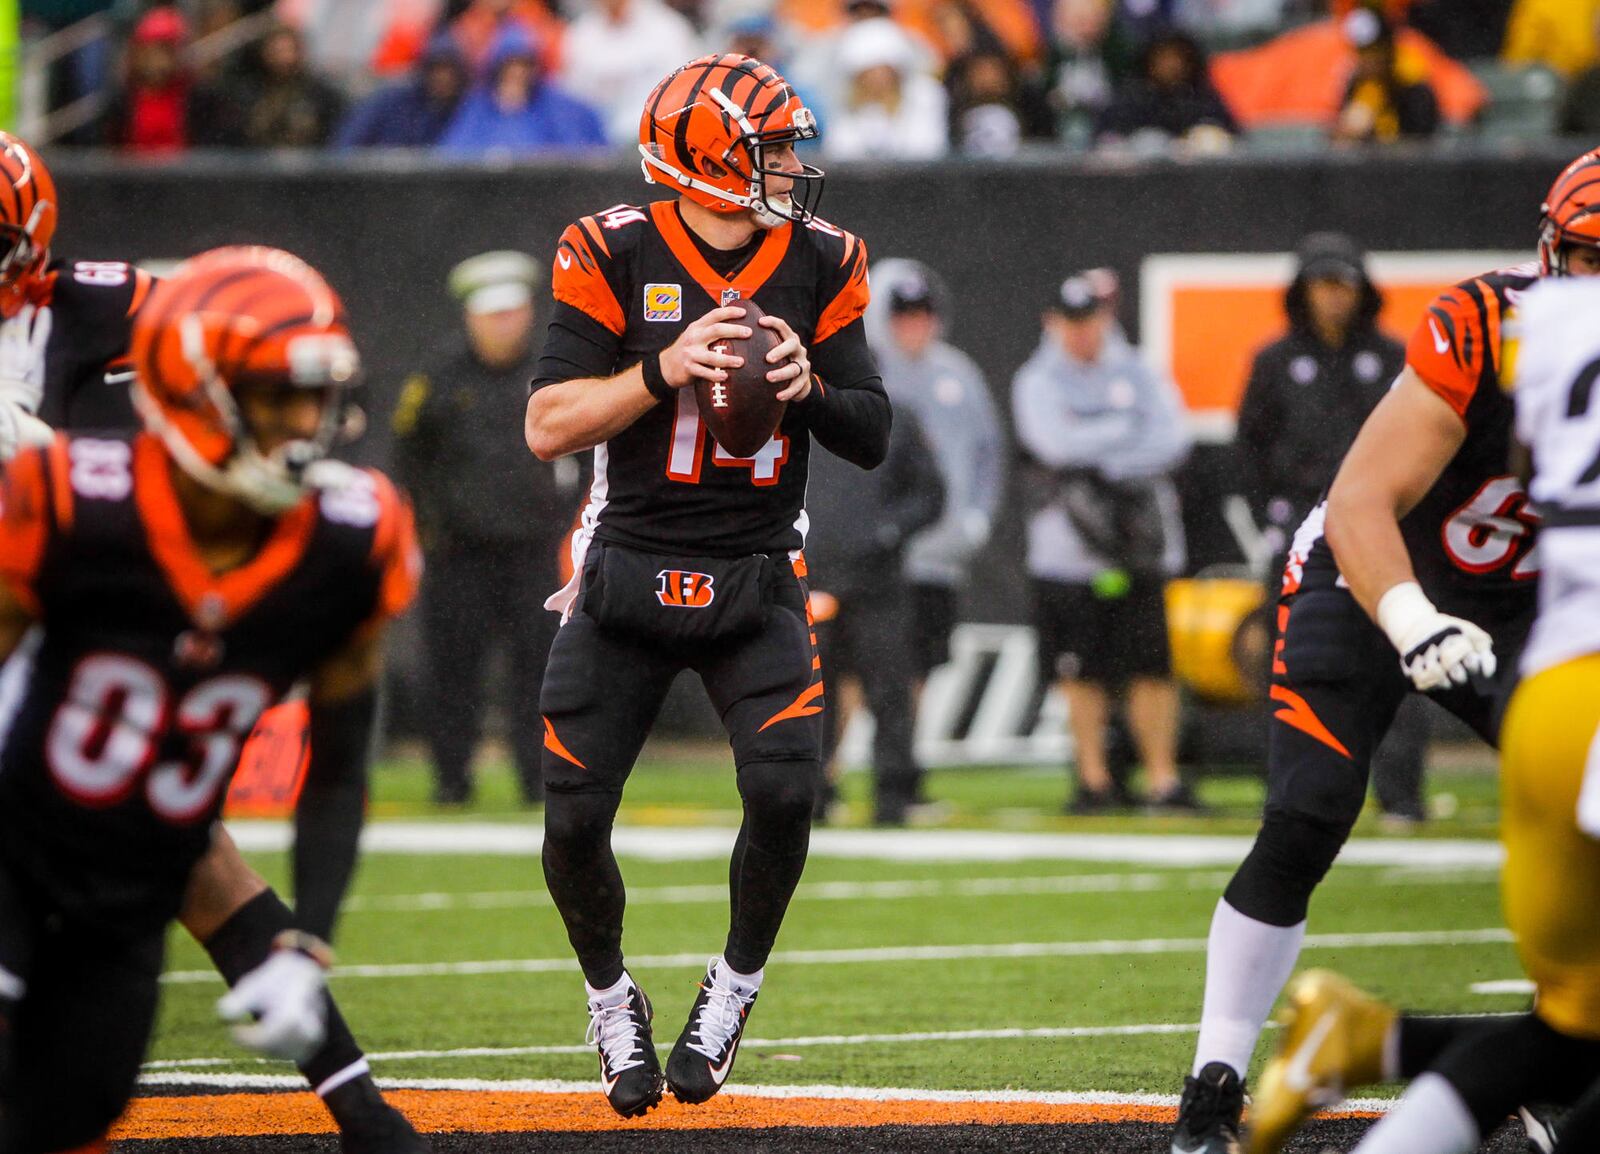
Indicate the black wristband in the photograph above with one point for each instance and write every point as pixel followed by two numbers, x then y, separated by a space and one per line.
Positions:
pixel 655 380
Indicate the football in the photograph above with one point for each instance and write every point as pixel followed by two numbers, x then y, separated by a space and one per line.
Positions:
pixel 743 411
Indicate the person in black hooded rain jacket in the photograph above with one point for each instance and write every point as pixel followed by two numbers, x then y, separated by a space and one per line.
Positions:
pixel 1309 392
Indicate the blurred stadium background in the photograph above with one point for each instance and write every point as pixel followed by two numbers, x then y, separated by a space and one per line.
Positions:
pixel 455 967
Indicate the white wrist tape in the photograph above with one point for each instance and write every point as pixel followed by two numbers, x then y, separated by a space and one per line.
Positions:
pixel 1401 610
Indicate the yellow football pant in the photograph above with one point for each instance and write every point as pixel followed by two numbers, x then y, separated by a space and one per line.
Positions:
pixel 1551 883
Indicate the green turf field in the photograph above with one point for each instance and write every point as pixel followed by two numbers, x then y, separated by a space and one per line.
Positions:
pixel 1117 949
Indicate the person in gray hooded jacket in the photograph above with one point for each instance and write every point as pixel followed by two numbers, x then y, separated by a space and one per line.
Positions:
pixel 946 391
pixel 1101 432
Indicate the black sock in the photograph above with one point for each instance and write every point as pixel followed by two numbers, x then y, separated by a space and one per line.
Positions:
pixel 1422 1040
pixel 1579 1132
pixel 761 884
pixel 327 837
pixel 585 881
pixel 768 857
pixel 243 942
pixel 1519 1060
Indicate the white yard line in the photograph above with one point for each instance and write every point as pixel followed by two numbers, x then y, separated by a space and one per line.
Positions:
pixel 897 890
pixel 1520 986
pixel 1115 947
pixel 838 1093
pixel 748 1043
pixel 710 843
pixel 812 891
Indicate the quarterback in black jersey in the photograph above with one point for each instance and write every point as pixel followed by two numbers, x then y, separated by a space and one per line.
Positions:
pixel 1417 573
pixel 158 592
pixel 688 557
pixel 65 363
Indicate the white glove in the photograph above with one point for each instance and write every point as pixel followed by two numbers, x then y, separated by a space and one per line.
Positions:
pixel 22 345
pixel 20 429
pixel 280 1003
pixel 1436 650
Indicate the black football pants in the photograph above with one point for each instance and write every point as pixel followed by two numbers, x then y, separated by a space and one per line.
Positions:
pixel 474 594
pixel 1336 685
pixel 74 1034
pixel 602 691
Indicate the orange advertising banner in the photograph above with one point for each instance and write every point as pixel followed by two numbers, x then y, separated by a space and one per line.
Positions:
pixel 1203 317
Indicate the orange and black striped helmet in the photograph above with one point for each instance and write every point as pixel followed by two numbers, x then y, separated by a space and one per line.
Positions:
pixel 27 220
pixel 706 130
pixel 1570 213
pixel 236 318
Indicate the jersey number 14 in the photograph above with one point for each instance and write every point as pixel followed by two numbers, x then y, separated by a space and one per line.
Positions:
pixel 687 451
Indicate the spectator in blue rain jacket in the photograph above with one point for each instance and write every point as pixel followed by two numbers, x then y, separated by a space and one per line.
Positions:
pixel 414 112
pixel 516 109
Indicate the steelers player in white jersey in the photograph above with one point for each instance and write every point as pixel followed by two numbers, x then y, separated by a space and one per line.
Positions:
pixel 1550 800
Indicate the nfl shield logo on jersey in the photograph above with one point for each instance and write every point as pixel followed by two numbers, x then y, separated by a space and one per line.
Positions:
pixel 663 302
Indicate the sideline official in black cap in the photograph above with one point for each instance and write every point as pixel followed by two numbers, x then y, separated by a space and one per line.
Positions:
pixel 493 519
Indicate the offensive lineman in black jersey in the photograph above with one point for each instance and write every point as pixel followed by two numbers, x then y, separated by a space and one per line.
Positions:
pixel 63 352
pixel 1423 501
pixel 160 591
pixel 64 363
pixel 641 295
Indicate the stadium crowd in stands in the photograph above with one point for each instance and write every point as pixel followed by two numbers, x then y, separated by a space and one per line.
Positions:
pixel 903 79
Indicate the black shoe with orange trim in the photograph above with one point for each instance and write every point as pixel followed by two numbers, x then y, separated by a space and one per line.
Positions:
pixel 703 1058
pixel 630 1072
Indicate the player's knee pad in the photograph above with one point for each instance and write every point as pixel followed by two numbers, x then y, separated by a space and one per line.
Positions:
pixel 577 823
pixel 1291 856
pixel 779 797
pixel 778 802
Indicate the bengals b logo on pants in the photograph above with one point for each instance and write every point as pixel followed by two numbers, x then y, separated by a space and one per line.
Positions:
pixel 684 589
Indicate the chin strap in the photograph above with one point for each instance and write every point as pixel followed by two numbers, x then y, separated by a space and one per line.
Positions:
pixel 249 477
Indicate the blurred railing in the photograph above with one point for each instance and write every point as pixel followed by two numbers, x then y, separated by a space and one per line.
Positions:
pixel 41 125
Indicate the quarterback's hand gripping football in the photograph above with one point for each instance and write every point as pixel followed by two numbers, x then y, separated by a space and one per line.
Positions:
pixel 1436 650
pixel 792 363
pixel 280 1005
pixel 691 355
pixel 22 348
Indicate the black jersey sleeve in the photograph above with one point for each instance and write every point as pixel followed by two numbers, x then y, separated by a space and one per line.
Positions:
pixel 847 409
pixel 576 345
pixel 96 301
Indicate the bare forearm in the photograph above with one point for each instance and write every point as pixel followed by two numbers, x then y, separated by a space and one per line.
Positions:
pixel 575 415
pixel 1397 457
pixel 1363 530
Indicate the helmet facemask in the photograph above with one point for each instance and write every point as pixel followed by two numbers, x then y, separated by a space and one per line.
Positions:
pixel 1570 214
pixel 745 158
pixel 20 261
pixel 270 482
pixel 1555 247
pixel 799 205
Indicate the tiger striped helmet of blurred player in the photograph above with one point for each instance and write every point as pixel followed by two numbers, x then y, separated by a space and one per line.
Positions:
pixel 234 319
pixel 27 221
pixel 1571 213
pixel 706 130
